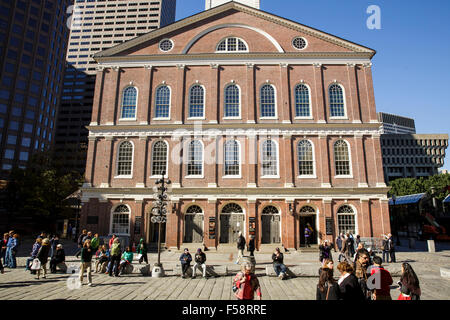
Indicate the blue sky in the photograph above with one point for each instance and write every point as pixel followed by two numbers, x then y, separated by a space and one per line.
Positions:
pixel 412 66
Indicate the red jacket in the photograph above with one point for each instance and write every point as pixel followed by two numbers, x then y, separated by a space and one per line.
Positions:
pixel 386 281
pixel 246 289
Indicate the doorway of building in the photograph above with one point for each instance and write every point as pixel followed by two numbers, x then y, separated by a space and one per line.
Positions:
pixel 193 225
pixel 270 222
pixel 304 220
pixel 232 220
pixel 153 233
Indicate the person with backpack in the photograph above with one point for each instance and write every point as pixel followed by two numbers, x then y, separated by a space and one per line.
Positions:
pixel 409 285
pixel 142 250
pixel 185 260
pixel 278 265
pixel 116 253
pixel 246 283
pixel 42 256
pixel 200 261
pixel 86 261
pixel 327 289
pixel 385 280
pixel 240 246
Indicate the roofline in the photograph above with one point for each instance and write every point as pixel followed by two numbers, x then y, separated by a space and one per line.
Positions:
pixel 211 12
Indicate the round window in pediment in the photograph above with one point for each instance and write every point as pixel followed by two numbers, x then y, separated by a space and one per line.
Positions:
pixel 166 45
pixel 299 43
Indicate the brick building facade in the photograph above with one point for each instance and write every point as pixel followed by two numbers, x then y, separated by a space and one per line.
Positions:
pixel 262 125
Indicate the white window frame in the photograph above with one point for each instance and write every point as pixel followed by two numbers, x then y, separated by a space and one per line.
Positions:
pixel 204 102
pixel 167 160
pixel 237 45
pixel 124 176
pixel 170 102
pixel 310 117
pixel 277 152
pixel 112 218
pixel 275 117
pixel 342 176
pixel 239 176
pixel 355 214
pixel 224 102
pixel 345 116
pixel 136 107
pixel 198 176
pixel 307 176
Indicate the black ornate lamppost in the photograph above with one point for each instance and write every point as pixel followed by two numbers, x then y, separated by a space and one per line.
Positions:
pixel 159 216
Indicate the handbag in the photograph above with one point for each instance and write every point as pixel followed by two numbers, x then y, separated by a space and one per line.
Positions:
pixel 36 265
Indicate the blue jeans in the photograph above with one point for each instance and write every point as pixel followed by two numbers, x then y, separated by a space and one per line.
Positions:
pixel 29 260
pixel 7 259
pixel 385 256
pixel 279 268
pixel 12 262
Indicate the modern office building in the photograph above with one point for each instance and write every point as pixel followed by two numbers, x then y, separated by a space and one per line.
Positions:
pixel 96 26
pixel 261 123
pixel 407 154
pixel 394 124
pixel 33 45
pixel 214 3
pixel 412 155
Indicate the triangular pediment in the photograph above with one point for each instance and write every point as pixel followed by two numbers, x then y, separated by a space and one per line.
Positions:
pixel 217 16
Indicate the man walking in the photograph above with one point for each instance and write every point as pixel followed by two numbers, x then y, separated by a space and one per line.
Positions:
pixel 199 259
pixel 240 246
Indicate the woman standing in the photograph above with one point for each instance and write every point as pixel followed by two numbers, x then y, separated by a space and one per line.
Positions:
pixel 409 284
pixel 115 255
pixel 246 283
pixel 142 250
pixel 42 255
pixel 86 261
pixel 327 289
pixel 34 251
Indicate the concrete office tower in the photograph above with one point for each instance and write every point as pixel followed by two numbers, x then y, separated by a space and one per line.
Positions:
pixel 96 26
pixel 33 43
pixel 214 3
pixel 394 124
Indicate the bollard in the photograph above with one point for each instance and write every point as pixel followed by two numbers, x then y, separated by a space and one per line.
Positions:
pixel 412 243
pixel 431 246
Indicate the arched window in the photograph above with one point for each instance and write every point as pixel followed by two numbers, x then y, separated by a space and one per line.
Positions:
pixel 125 159
pixel 341 158
pixel 231 208
pixel 305 158
pixel 129 102
pixel 270 210
pixel 302 105
pixel 337 106
pixel 159 158
pixel 346 220
pixel 195 159
pixel 307 210
pixel 269 158
pixel 232 166
pixel 232 45
pixel 194 209
pixel 197 102
pixel 162 102
pixel 268 108
pixel 120 220
pixel 232 101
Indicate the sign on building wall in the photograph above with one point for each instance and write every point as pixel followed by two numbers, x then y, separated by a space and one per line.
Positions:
pixel 137 225
pixel 329 226
pixel 212 227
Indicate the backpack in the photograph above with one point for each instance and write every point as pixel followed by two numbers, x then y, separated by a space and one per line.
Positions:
pixel 94 243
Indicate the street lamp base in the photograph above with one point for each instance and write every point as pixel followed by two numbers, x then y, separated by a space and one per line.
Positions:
pixel 158 271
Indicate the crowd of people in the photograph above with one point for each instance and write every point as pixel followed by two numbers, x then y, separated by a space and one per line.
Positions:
pixel 358 266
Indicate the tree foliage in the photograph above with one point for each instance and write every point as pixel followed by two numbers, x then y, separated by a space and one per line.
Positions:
pixel 406 186
pixel 40 190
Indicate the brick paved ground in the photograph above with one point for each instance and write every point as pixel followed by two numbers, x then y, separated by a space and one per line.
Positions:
pixel 18 284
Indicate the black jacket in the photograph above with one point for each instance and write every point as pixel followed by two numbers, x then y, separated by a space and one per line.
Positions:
pixel 325 252
pixel 350 289
pixel 251 245
pixel 59 256
pixel 334 294
pixel 200 257
pixel 241 243
pixel 43 254
pixel 86 254
pixel 278 260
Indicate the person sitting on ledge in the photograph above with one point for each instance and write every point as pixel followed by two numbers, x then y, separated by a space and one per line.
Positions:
pixel 127 259
pixel 278 265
